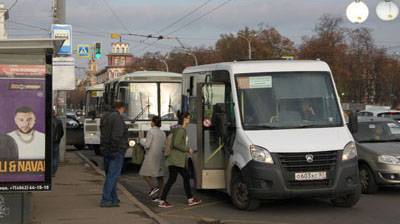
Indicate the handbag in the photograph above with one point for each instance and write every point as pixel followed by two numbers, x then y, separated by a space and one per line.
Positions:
pixel 137 154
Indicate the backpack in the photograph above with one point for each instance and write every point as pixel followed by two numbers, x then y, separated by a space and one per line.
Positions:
pixel 168 144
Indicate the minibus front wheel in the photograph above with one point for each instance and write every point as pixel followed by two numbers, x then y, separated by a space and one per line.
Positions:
pixel 347 201
pixel 240 194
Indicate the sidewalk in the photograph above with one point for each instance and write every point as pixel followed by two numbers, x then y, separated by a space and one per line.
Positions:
pixel 75 198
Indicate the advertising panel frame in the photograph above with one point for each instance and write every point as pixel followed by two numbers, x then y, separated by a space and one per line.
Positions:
pixel 23 175
pixel 18 55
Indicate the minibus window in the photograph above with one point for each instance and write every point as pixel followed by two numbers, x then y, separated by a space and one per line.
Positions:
pixel 287 100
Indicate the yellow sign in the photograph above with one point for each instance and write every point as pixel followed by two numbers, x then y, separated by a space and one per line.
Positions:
pixel 288 57
pixel 115 36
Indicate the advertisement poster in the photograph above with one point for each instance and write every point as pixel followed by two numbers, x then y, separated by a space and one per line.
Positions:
pixel 23 129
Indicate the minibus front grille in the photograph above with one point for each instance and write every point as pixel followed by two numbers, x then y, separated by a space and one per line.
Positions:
pixel 292 163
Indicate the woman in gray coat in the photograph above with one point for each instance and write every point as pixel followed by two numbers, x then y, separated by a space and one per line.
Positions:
pixel 153 162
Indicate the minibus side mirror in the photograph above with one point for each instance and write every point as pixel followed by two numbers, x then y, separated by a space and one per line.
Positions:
pixel 353 122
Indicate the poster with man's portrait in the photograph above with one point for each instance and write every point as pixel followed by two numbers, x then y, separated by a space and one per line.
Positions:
pixel 23 128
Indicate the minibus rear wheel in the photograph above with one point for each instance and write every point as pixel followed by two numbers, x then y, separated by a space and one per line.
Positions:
pixel 240 194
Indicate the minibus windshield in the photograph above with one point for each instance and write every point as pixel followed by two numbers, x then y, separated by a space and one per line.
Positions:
pixel 282 100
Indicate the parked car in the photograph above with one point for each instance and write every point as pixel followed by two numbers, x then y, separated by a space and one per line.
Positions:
pixel 378 147
pixel 392 114
pixel 74 134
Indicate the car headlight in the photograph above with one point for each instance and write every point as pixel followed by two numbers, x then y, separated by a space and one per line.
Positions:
pixel 132 143
pixel 260 154
pixel 349 151
pixel 388 160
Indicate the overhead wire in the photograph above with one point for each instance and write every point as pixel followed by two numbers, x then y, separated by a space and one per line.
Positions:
pixel 13 5
pixel 191 22
pixel 200 17
pixel 179 20
pixel 29 25
pixel 78 32
pixel 116 16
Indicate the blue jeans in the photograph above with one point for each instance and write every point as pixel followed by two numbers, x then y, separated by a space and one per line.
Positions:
pixel 56 158
pixel 113 163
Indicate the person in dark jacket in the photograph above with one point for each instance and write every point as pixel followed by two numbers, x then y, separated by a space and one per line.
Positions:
pixel 57 134
pixel 8 148
pixel 116 139
pixel 104 133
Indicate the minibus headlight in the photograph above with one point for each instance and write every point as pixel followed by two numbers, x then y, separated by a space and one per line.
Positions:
pixel 132 143
pixel 391 160
pixel 260 154
pixel 349 151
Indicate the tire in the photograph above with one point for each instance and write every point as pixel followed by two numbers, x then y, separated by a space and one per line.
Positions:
pixel 97 151
pixel 79 147
pixel 347 201
pixel 367 180
pixel 240 195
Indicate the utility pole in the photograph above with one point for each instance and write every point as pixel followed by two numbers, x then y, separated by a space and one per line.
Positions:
pixel 59 11
pixel 60 97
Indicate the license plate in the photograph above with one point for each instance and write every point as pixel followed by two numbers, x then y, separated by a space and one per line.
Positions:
pixel 310 176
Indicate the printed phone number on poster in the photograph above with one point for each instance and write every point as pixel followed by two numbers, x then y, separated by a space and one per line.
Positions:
pixel 25 188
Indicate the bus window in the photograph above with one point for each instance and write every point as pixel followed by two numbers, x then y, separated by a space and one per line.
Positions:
pixel 143 100
pixel 170 100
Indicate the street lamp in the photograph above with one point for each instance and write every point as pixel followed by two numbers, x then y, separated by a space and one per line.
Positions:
pixel 164 61
pixel 187 51
pixel 248 44
pixel 194 57
pixel 357 12
pixel 387 10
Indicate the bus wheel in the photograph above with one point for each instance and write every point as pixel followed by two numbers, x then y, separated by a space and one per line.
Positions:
pixel 97 151
pixel 240 196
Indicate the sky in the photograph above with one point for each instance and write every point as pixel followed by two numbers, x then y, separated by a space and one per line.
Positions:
pixel 93 20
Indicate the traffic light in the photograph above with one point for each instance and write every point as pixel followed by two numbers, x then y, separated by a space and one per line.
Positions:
pixel 97 51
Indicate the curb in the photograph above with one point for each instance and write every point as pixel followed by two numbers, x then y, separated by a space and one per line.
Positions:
pixel 129 196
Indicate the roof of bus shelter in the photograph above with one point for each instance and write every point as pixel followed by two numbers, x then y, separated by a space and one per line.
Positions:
pixel 30 46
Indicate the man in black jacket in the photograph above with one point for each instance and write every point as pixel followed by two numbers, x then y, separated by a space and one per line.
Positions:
pixel 57 134
pixel 115 137
pixel 104 132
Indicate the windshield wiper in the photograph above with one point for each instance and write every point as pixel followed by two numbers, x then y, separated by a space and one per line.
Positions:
pixel 307 126
pixel 140 113
pixel 372 141
pixel 393 140
pixel 260 127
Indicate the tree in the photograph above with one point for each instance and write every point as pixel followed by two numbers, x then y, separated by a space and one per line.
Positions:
pixel 265 43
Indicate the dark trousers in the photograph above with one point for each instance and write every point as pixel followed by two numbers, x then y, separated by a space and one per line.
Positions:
pixel 56 158
pixel 173 174
pixel 113 163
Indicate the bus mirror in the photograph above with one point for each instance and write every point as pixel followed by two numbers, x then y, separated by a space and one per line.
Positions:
pixel 92 114
pixel 353 122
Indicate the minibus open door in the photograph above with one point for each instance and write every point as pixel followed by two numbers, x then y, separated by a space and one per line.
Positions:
pixel 211 126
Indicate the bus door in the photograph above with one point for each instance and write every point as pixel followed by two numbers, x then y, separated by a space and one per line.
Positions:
pixel 211 133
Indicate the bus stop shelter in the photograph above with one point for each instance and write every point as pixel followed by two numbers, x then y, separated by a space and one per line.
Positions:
pixel 20 58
